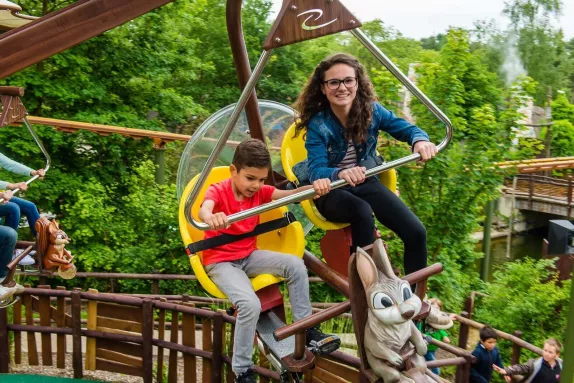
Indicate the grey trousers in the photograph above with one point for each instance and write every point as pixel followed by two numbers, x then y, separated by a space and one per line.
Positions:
pixel 232 278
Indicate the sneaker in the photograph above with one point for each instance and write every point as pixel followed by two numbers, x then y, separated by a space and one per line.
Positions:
pixel 321 344
pixel 438 319
pixel 28 260
pixel 248 376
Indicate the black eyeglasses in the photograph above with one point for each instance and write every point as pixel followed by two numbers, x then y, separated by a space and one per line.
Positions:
pixel 349 82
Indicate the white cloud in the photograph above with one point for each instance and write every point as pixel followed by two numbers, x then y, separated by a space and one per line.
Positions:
pixel 424 18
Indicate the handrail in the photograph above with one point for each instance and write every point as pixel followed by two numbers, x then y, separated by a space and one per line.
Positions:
pixel 42 148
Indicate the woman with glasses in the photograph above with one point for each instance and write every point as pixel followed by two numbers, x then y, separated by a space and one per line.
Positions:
pixel 342 119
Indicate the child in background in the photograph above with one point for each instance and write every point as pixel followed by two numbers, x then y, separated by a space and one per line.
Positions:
pixel 436 331
pixel 487 355
pixel 546 369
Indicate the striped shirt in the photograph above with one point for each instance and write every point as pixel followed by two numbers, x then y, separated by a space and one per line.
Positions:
pixel 350 159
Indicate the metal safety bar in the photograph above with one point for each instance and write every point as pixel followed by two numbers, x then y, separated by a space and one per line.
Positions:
pixel 42 148
pixel 334 185
pixel 245 94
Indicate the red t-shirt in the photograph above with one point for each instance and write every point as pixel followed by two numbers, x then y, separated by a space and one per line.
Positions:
pixel 222 195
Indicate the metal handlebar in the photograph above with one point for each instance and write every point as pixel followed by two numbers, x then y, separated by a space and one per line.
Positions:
pixel 46 155
pixel 391 67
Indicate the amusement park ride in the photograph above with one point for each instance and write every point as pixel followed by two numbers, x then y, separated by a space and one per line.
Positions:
pixel 298 20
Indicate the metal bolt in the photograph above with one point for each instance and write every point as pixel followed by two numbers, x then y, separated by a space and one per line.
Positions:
pixel 352 22
pixel 277 40
pixel 293 7
pixel 329 1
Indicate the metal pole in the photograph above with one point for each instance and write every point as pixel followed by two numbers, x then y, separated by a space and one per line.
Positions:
pixel 511 218
pixel 489 208
pixel 159 160
pixel 247 91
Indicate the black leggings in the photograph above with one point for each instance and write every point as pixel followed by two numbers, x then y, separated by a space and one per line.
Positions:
pixel 356 206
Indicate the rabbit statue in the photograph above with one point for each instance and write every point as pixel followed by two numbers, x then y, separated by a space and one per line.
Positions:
pixel 389 330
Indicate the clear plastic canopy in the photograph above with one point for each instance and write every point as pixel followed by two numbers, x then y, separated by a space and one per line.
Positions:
pixel 276 120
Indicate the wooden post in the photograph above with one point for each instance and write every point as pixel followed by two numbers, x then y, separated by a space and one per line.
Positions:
pixel 147 335
pixel 230 374
pixel 4 344
pixel 92 325
pixel 569 196
pixel 44 309
pixel 217 349
pixel 188 339
pixel 77 334
pixel 461 372
pixel 206 326
pixel 30 336
pixel 61 323
pixel 530 191
pixel 516 349
pixel 172 368
pixel 161 336
pixel 17 334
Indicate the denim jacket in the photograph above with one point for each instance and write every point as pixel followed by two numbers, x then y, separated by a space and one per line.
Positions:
pixel 326 145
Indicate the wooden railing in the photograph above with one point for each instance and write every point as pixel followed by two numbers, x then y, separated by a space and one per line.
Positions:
pixel 536 188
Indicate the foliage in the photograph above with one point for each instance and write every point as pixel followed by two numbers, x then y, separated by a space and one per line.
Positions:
pixel 526 296
pixel 562 138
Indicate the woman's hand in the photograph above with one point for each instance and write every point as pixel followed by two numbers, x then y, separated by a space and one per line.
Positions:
pixel 426 149
pixel 217 221
pixel 322 187
pixel 6 195
pixel 40 172
pixel 353 176
pixel 19 185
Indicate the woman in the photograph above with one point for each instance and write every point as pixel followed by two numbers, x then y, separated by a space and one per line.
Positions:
pixel 339 110
pixel 11 211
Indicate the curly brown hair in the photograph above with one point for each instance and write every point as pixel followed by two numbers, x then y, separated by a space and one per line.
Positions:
pixel 312 100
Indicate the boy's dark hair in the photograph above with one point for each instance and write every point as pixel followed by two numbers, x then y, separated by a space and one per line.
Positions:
pixel 487 332
pixel 554 343
pixel 251 153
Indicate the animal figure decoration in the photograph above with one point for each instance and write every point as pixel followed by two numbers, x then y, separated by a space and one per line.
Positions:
pixel 390 331
pixel 52 241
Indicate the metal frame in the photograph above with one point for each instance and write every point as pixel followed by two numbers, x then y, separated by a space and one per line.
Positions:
pixel 42 148
pixel 247 92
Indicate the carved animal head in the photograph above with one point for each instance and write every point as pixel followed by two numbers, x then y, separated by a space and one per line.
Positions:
pixel 57 236
pixel 390 299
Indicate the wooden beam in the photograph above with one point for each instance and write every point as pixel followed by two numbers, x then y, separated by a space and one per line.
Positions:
pixel 65 28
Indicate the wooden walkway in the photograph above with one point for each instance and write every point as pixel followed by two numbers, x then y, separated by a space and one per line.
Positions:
pixel 542 194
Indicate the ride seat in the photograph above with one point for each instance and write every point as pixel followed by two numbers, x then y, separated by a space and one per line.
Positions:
pixel 292 152
pixel 289 239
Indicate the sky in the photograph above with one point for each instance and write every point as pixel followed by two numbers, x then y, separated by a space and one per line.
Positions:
pixel 424 18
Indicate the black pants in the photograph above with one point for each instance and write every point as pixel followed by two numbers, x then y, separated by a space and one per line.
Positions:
pixel 356 206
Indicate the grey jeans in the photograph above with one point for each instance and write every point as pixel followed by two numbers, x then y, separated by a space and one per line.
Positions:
pixel 232 278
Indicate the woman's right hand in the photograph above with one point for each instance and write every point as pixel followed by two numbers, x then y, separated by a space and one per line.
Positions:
pixel 19 185
pixel 6 196
pixel 353 176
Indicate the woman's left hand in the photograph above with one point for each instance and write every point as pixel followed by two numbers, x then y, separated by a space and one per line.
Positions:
pixel 40 173
pixel 426 149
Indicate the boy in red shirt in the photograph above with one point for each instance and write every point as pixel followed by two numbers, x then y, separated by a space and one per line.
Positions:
pixel 230 266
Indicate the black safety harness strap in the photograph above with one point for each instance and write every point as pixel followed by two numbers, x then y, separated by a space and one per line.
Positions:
pixel 224 239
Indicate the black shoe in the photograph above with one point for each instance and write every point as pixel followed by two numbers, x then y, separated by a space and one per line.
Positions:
pixel 246 377
pixel 321 344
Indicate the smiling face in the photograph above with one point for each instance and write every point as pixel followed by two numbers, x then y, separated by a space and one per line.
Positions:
pixel 342 97
pixel 247 180
pixel 549 353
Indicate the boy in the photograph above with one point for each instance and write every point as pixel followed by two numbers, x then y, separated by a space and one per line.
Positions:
pixel 541 370
pixel 230 266
pixel 487 355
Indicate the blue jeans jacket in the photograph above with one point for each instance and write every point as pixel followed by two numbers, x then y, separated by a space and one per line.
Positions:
pixel 326 146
